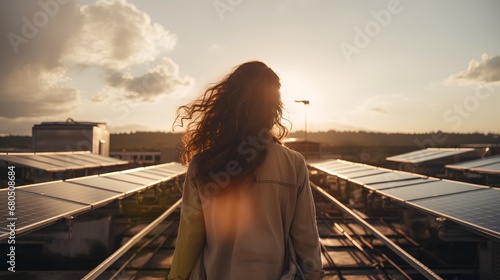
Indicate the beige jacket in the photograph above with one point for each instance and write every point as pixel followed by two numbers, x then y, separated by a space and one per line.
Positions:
pixel 264 230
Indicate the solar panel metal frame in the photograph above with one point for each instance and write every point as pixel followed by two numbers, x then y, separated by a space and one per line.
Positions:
pixel 485 201
pixel 31 211
pixel 73 192
pixel 432 188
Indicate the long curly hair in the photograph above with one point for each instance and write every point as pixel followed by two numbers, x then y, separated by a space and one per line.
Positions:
pixel 242 108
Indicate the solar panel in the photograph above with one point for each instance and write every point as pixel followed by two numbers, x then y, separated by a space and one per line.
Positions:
pixel 151 176
pixel 158 172
pixel 428 154
pixel 172 166
pixel 384 177
pixel 366 173
pixel 331 164
pixel 129 177
pixel 342 169
pixel 34 210
pixel 55 162
pixel 395 184
pixel 73 192
pixel 358 172
pixel 46 160
pixel 428 189
pixel 491 169
pixel 477 209
pixel 412 155
pixel 483 162
pixel 108 184
pixel 166 170
pixel 31 163
pixel 59 160
pixel 72 159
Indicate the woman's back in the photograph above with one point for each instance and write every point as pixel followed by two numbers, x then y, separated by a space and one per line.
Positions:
pixel 247 227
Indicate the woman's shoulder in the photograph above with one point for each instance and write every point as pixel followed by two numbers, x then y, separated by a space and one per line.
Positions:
pixel 284 151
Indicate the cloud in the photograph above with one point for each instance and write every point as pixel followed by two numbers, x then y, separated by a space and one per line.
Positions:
pixel 379 110
pixel 33 91
pixel 485 71
pixel 380 104
pixel 160 80
pixel 116 35
pixel 215 47
pixel 32 79
pixel 47 39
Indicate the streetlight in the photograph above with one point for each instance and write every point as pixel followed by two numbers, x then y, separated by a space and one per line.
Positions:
pixel 305 102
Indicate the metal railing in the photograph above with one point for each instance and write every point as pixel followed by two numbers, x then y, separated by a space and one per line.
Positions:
pixel 416 264
pixel 96 272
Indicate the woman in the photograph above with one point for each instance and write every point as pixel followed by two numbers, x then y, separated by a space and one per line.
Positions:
pixel 247 210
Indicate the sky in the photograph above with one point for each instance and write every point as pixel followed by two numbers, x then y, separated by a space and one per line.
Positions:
pixel 383 65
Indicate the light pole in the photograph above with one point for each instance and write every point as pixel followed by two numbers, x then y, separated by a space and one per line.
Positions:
pixel 305 102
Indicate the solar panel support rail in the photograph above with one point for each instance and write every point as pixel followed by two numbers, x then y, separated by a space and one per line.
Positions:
pixel 96 272
pixel 420 267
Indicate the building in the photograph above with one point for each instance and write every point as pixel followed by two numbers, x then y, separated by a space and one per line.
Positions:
pixel 71 136
pixel 144 158
pixel 309 149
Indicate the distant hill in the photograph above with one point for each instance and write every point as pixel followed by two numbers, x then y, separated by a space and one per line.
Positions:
pixel 148 141
pixel 15 142
pixel 421 140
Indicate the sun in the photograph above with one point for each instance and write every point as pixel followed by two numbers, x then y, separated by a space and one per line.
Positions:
pixel 297 86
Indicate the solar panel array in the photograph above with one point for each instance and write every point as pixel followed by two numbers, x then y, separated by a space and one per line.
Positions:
pixel 429 154
pixel 38 205
pixel 471 205
pixel 61 161
pixel 489 165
